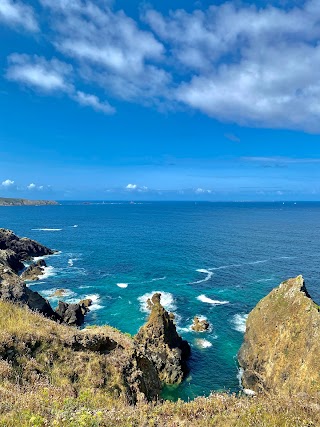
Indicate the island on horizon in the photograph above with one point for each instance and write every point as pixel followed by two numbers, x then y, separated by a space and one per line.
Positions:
pixel 8 201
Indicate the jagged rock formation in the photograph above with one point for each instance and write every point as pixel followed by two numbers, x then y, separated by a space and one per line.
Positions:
pixel 23 247
pixel 164 346
pixel 200 325
pixel 44 353
pixel 35 270
pixel 281 348
pixel 73 314
pixel 15 250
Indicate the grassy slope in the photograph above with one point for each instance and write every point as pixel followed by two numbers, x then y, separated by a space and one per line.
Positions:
pixel 44 382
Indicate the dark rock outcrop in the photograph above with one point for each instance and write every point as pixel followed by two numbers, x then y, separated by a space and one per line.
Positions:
pixel 19 293
pixel 24 248
pixel 73 314
pixel 159 339
pixel 281 348
pixel 35 270
pixel 9 259
pixel 200 325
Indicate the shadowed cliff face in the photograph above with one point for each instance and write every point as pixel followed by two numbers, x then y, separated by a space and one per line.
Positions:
pixel 159 338
pixel 281 348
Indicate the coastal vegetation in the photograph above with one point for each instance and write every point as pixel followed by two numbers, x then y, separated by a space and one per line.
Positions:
pixel 54 374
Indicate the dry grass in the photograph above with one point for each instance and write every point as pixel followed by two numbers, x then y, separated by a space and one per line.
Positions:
pixel 45 382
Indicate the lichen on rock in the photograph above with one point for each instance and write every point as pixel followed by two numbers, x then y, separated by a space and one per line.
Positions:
pixel 164 346
pixel 281 348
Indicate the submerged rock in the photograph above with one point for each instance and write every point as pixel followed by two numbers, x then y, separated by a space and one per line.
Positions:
pixel 200 325
pixel 58 293
pixel 35 270
pixel 159 339
pixel 281 348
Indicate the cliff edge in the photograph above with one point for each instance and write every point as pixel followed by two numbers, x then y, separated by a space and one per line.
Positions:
pixel 281 348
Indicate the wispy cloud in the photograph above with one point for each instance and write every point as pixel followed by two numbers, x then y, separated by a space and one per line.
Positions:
pixel 18 14
pixel 222 61
pixel 281 160
pixel 51 76
pixel 39 73
pixel 93 101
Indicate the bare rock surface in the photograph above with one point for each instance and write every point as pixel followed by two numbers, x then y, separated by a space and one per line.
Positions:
pixel 281 348
pixel 164 346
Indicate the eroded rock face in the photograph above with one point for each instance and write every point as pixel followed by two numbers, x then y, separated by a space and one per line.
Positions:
pixel 24 248
pixel 160 341
pixel 281 348
pixel 35 270
pixel 73 314
pixel 200 325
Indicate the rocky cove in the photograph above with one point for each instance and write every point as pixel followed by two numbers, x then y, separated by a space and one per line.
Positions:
pixel 42 345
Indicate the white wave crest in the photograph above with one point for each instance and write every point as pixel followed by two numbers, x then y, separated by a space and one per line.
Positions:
pixel 48 272
pixel 239 322
pixel 202 343
pixel 223 267
pixel 47 229
pixel 158 278
pixel 71 261
pixel 203 298
pixel 167 301
pixel 208 273
pixel 122 285
pixel 94 298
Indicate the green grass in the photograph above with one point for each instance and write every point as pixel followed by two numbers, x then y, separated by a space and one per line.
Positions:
pixel 45 382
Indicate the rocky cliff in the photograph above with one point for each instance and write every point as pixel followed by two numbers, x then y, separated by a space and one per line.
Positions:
pixel 164 346
pixel 281 348
pixel 13 251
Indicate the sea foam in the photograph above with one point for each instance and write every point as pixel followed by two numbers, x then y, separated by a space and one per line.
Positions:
pixel 122 285
pixel 208 273
pixel 47 229
pixel 167 301
pixel 239 322
pixel 203 298
pixel 94 298
pixel 202 343
pixel 48 272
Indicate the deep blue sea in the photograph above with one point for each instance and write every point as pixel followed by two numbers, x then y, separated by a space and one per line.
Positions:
pixel 215 260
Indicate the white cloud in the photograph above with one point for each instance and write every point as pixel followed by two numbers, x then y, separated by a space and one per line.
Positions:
pixel 131 187
pixel 93 101
pixel 255 67
pixel 110 49
pixel 234 62
pixel 18 14
pixel 202 191
pixel 31 186
pixel 51 76
pixel 39 73
pixel 137 188
pixel 7 183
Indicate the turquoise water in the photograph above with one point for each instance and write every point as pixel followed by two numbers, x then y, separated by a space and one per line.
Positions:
pixel 210 259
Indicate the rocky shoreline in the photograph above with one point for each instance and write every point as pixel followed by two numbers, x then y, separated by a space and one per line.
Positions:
pixel 279 353
pixel 157 351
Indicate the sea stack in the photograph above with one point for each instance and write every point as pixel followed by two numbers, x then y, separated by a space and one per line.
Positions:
pixel 281 348
pixel 163 345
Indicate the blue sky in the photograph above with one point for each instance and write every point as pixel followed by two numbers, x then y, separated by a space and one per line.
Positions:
pixel 160 100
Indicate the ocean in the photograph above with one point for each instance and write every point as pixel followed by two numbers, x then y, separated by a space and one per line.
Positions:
pixel 215 260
